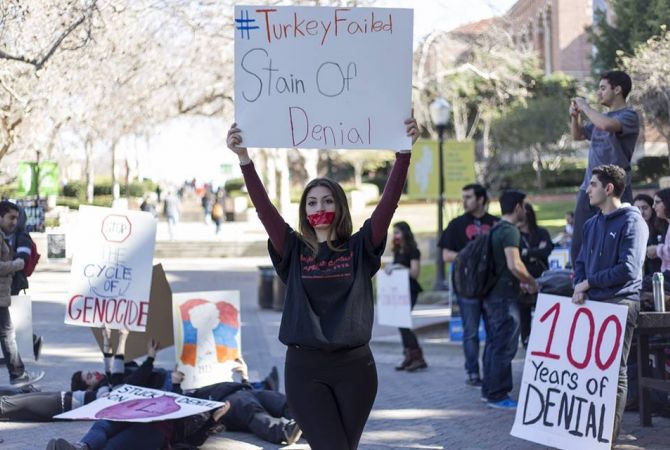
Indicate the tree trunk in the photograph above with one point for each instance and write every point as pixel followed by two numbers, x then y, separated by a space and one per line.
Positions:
pixel 537 165
pixel 460 116
pixel 89 170
pixel 116 190
pixel 486 133
pixel 358 173
pixel 284 182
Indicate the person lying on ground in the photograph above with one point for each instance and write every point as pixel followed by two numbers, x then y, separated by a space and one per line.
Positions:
pixel 265 413
pixel 185 433
pixel 23 406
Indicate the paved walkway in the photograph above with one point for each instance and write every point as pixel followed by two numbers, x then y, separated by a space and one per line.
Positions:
pixel 429 410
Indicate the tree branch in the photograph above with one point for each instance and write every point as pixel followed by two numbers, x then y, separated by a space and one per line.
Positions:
pixel 39 61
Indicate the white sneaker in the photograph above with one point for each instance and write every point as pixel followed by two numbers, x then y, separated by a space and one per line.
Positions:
pixel 27 378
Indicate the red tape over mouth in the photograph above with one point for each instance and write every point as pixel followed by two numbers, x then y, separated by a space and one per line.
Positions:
pixel 324 218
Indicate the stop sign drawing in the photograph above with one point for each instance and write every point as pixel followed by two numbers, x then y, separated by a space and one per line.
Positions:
pixel 116 228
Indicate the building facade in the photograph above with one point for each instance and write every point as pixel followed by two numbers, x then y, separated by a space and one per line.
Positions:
pixel 556 30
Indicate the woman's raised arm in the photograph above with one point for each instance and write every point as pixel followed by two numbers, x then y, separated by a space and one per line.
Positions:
pixel 272 221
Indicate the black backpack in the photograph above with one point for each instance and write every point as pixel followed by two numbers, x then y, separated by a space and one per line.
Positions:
pixel 474 269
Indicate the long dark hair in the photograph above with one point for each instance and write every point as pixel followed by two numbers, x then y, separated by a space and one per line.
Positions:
pixel 664 195
pixel 653 222
pixel 342 223
pixel 407 243
pixel 531 219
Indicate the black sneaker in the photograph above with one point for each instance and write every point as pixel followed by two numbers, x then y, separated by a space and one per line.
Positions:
pixel 27 378
pixel 271 382
pixel 292 432
pixel 37 346
pixel 62 444
pixel 473 380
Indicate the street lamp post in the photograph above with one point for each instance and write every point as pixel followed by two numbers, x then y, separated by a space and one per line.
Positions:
pixel 440 111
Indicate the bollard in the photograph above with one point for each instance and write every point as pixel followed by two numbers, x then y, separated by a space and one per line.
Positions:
pixel 266 275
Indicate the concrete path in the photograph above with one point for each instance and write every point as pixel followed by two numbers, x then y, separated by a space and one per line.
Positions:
pixel 430 410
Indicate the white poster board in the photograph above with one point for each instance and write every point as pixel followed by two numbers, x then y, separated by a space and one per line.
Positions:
pixel 129 403
pixel 21 312
pixel 323 77
pixel 568 391
pixel 110 279
pixel 206 335
pixel 394 299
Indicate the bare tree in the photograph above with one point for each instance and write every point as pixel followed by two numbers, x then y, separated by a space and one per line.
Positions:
pixel 649 72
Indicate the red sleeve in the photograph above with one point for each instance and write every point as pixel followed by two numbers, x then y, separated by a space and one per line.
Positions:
pixel 383 213
pixel 270 217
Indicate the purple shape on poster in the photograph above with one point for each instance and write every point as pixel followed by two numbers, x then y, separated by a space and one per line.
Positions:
pixel 139 409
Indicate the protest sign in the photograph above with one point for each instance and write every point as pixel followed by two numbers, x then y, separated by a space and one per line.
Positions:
pixel 458 169
pixel 110 277
pixel 160 313
pixel 206 335
pixel 56 246
pixel 129 403
pixel 21 312
pixel 322 77
pixel 568 391
pixel 393 299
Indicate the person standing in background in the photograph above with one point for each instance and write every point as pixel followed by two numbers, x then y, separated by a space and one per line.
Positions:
pixel 406 255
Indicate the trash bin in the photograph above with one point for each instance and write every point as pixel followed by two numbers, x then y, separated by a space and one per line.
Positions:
pixel 278 294
pixel 266 276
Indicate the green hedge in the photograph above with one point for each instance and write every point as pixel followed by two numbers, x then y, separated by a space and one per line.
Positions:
pixel 650 168
pixel 523 177
pixel 77 189
pixel 73 203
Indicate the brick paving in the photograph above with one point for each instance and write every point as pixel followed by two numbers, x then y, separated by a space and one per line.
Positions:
pixel 428 410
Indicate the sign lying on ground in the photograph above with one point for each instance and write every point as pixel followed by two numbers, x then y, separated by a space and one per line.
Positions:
pixel 322 77
pixel 110 279
pixel 129 403
pixel 394 299
pixel 160 313
pixel 207 336
pixel 568 391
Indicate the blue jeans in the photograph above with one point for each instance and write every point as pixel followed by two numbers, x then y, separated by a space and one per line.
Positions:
pixel 8 344
pixel 108 435
pixel 502 342
pixel 471 313
pixel 622 384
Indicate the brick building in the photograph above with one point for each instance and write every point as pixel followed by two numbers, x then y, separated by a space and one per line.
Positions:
pixel 556 29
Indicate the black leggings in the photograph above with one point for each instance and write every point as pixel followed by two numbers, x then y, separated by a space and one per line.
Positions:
pixel 330 394
pixel 407 335
pixel 32 407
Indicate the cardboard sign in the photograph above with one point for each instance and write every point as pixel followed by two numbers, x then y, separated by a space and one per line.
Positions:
pixel 21 312
pixel 207 336
pixel 322 77
pixel 160 314
pixel 110 277
pixel 56 246
pixel 129 403
pixel 458 165
pixel 394 299
pixel 568 391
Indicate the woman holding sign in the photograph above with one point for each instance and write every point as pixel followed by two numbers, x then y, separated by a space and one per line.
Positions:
pixel 331 379
pixel 406 255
